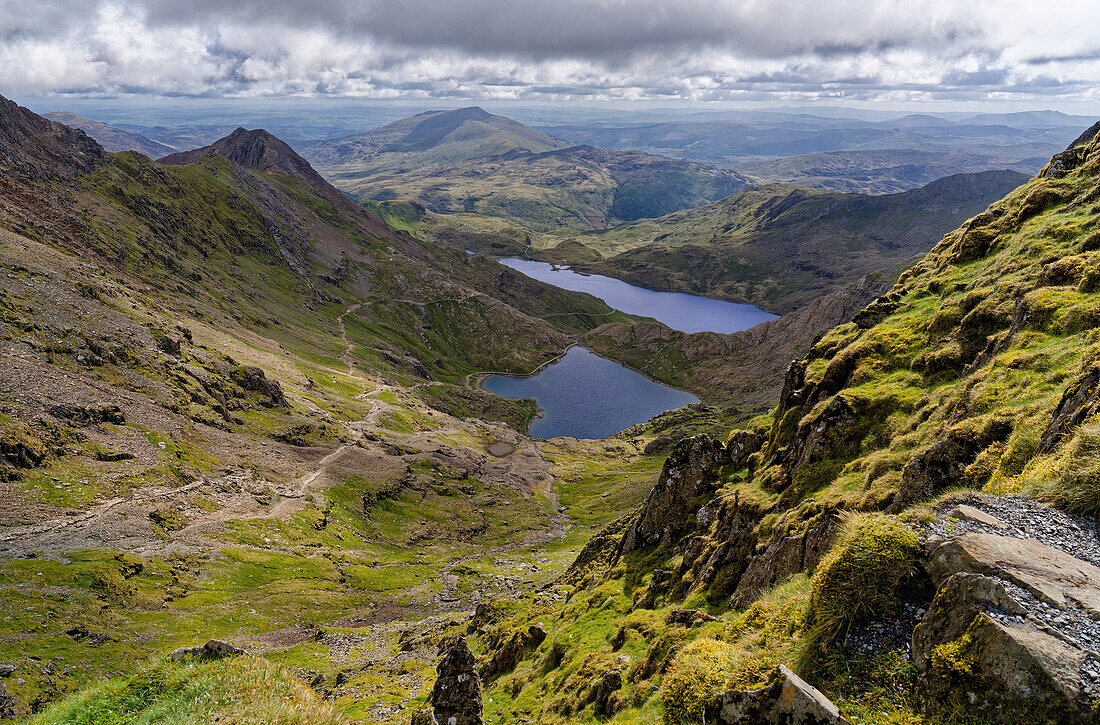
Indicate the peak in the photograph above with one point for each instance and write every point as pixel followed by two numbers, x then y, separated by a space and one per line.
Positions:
pixel 29 140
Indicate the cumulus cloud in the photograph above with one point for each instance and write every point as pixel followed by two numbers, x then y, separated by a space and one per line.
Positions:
pixel 552 49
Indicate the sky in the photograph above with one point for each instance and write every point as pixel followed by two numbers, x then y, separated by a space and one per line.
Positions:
pixel 1004 53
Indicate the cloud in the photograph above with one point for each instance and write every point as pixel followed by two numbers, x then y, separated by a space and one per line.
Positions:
pixel 552 49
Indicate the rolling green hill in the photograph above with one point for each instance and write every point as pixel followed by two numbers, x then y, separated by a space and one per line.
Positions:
pixel 471 162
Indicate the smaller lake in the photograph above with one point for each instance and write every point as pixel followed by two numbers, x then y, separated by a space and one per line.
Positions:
pixel 680 311
pixel 583 395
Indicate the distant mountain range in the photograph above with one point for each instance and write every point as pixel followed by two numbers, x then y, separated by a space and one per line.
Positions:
pixel 743 140
pixel 112 138
pixel 469 161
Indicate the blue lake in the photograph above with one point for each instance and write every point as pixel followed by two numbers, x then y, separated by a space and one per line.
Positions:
pixel 688 313
pixel 583 395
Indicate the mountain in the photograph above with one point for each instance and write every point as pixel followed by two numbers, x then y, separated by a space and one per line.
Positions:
pixel 779 246
pixel 877 172
pixel 484 167
pixel 215 374
pixel 112 138
pixel 435 136
pixel 753 139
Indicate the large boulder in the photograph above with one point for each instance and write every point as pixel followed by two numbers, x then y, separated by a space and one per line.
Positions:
pixel 456 696
pixel 787 699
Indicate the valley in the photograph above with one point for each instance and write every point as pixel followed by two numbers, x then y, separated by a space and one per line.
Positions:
pixel 288 398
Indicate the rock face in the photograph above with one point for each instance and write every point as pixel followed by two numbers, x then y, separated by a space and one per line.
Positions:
pixel 689 475
pixel 1013 633
pixel 253 378
pixel 1078 403
pixel 456 697
pixel 214 649
pixel 518 646
pixel 786 700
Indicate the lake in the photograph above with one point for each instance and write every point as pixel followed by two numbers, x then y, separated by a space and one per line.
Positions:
pixel 583 395
pixel 680 311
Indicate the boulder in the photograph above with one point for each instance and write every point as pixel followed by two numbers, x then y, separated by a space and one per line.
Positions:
pixel 1050 574
pixel 786 700
pixel 214 649
pixel 743 444
pixel 423 716
pixel 972 655
pixel 456 696
pixel 7 702
pixel 7 670
pixel 690 475
pixel 252 378
pixel 935 468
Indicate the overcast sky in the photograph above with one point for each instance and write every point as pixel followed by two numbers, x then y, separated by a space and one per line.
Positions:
pixel 1032 53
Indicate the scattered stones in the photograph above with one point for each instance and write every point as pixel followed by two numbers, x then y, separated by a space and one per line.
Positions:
pixel 786 700
pixel 214 649
pixel 80 633
pixel 456 696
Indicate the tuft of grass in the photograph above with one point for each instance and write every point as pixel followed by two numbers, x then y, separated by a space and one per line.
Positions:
pixel 1071 479
pixel 244 690
pixel 860 576
pixel 696 680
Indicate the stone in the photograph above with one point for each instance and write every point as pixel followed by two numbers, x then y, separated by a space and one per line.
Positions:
pixel 935 468
pixel 1078 403
pixel 423 716
pixel 787 699
pixel 743 444
pixel 603 696
pixel 253 378
pixel 456 696
pixel 962 512
pixel 7 702
pixel 214 649
pixel 783 557
pixel 690 471
pixel 7 670
pixel 1048 573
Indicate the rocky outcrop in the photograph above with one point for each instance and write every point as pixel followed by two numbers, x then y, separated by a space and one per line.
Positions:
pixel 689 477
pixel 456 696
pixel 786 700
pixel 1013 633
pixel 514 649
pixel 214 649
pixel 1078 403
pixel 85 415
pixel 604 701
pixel 943 464
pixel 253 378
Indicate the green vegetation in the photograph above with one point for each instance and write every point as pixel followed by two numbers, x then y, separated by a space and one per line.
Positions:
pixel 245 690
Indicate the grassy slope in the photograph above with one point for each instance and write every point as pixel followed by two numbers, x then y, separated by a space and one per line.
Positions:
pixel 978 342
pixel 779 246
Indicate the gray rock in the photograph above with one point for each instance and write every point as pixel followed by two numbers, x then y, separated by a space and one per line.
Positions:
pixel 7 670
pixel 213 650
pixel 7 702
pixel 603 696
pixel 456 696
pixel 787 699
pixel 691 470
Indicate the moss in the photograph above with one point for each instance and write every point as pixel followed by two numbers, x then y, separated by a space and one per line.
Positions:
pixel 861 575
pixel 696 680
pixel 168 519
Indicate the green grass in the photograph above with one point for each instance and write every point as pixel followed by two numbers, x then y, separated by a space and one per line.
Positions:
pixel 245 690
